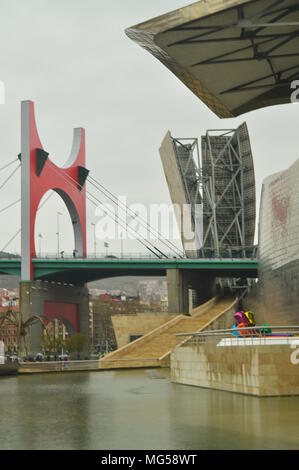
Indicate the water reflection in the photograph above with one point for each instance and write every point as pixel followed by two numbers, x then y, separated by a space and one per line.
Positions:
pixel 138 409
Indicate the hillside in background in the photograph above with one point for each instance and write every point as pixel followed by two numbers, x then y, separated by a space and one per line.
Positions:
pixel 115 283
pixel 120 283
pixel 4 254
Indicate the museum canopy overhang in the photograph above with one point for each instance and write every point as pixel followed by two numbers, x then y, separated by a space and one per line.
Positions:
pixel 235 55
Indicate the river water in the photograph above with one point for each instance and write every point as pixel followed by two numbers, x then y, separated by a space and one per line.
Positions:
pixel 138 409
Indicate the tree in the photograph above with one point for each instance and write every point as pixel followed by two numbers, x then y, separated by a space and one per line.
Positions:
pixel 52 344
pixel 76 343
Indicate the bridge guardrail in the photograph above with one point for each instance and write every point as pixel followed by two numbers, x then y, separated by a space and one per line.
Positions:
pixel 247 254
pixel 249 336
pixel 207 254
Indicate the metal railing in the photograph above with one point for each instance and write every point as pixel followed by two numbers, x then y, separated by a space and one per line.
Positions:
pixel 236 253
pixel 104 256
pixel 248 336
pixel 135 256
pixel 247 252
pixel 207 254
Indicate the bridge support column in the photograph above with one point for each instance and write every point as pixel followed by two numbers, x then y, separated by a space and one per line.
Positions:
pixel 204 287
pixel 178 296
pixel 25 312
pixel 49 301
pixel 180 283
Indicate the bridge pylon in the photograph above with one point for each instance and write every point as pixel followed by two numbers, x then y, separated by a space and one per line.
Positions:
pixel 39 174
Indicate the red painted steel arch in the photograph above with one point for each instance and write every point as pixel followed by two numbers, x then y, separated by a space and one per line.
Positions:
pixel 45 175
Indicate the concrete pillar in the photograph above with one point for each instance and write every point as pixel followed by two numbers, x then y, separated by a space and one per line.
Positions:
pixel 25 313
pixel 33 297
pixel 179 285
pixel 204 287
pixel 178 296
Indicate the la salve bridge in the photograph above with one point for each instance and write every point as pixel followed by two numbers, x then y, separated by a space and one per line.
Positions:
pixel 80 271
pixel 55 287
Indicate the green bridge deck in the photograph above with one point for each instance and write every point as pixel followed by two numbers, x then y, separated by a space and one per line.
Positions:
pixel 79 271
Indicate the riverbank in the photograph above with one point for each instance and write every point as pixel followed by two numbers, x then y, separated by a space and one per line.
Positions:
pixel 58 366
pixel 8 369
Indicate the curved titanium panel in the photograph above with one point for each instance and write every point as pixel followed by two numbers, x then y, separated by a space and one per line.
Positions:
pixel 279 247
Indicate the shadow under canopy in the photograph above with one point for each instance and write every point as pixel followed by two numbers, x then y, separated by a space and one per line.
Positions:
pixel 235 55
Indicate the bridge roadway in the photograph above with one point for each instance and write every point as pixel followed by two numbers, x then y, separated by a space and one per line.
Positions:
pixel 79 271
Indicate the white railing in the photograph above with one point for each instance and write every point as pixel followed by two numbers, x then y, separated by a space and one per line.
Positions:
pixel 110 256
pixel 133 256
pixel 105 256
pixel 247 336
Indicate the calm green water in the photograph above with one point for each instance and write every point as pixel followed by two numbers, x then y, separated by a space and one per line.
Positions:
pixel 138 410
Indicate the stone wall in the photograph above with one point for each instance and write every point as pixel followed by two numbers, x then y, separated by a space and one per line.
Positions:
pixel 252 370
pixel 57 366
pixel 137 325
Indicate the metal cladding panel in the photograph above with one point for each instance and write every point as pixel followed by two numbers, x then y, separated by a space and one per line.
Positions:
pixel 279 219
pixel 172 171
pixel 176 160
pixel 279 246
pixel 249 184
pixel 235 55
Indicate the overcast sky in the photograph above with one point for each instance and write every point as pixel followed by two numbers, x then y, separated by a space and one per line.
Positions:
pixel 73 59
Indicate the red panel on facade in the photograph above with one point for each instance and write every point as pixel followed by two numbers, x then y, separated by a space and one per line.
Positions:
pixel 62 311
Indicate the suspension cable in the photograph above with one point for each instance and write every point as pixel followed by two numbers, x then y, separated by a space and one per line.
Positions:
pixel 95 183
pixel 144 222
pixel 10 205
pixel 121 222
pixel 9 164
pixel 11 240
pixel 132 231
pixel 9 177
pixel 151 229
pixel 115 217
pixel 45 201
pixel 17 233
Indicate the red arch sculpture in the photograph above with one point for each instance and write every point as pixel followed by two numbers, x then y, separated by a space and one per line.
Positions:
pixel 39 175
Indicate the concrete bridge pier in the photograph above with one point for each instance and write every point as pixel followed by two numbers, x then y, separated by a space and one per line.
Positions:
pixel 50 301
pixel 179 283
pixel 178 294
pixel 204 287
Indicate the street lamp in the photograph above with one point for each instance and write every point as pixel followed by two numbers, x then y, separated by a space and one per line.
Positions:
pixel 57 233
pixel 94 239
pixel 122 245
pixel 40 237
pixel 106 245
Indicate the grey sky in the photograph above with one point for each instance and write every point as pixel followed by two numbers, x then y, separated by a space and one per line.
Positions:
pixel 73 59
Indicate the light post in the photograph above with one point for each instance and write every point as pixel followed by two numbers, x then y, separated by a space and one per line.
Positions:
pixel 57 233
pixel 94 239
pixel 106 245
pixel 40 237
pixel 122 245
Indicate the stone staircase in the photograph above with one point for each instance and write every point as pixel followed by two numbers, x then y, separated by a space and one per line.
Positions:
pixel 154 348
